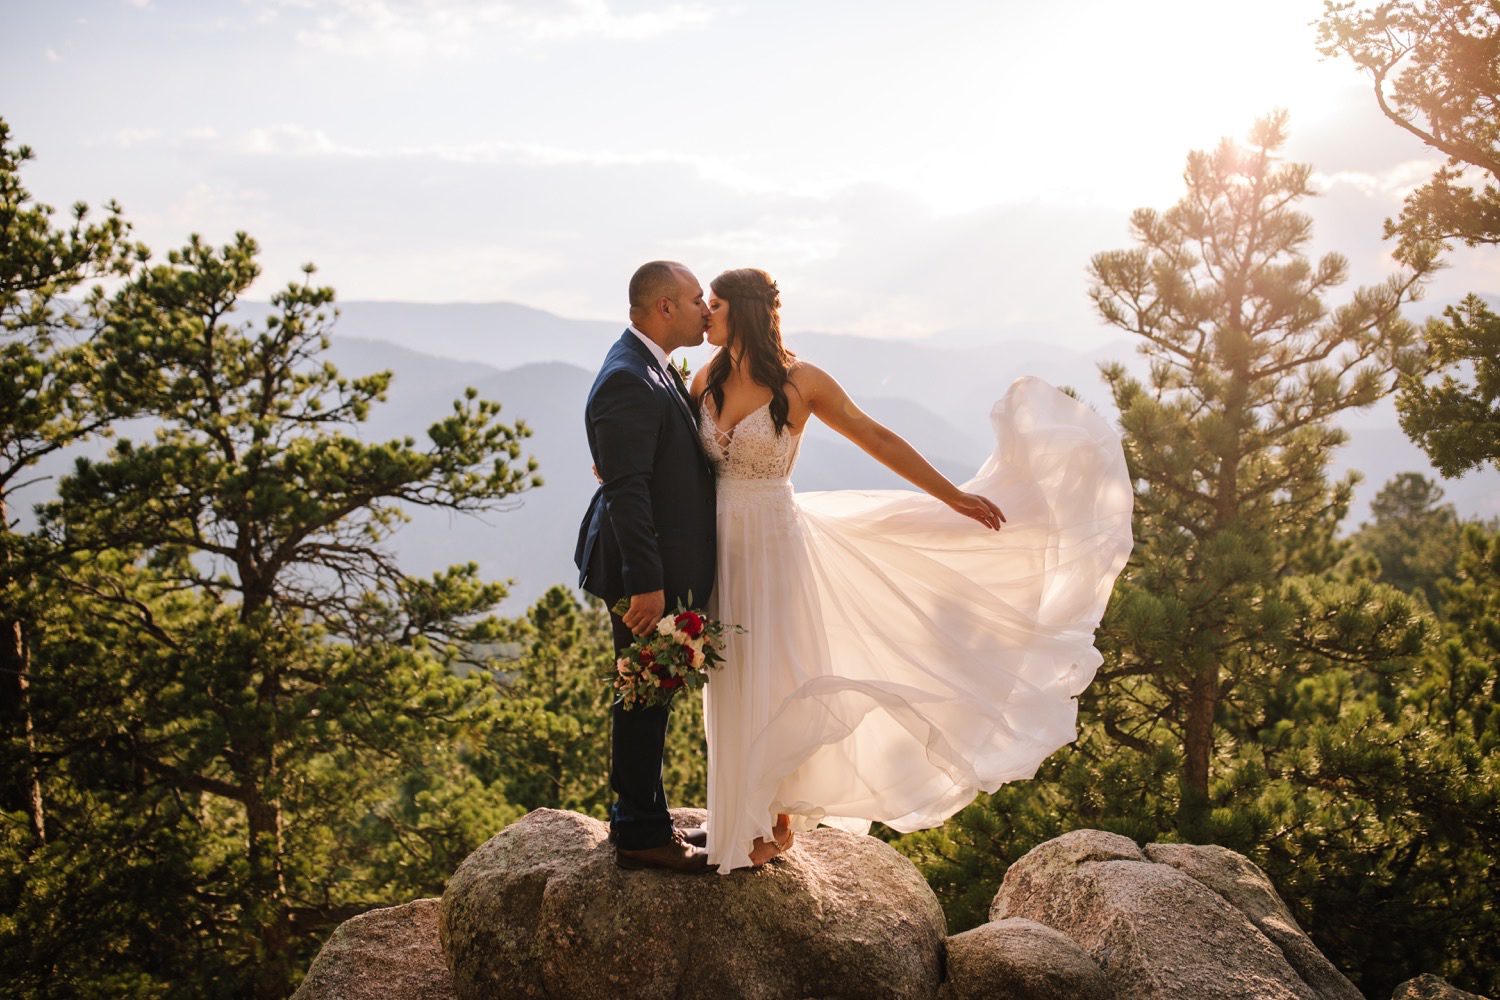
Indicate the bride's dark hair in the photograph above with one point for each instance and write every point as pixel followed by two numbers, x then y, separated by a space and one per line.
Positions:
pixel 755 333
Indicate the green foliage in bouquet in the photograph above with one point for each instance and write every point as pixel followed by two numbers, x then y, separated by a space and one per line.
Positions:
pixel 684 646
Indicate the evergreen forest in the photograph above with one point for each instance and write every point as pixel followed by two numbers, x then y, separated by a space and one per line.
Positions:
pixel 231 720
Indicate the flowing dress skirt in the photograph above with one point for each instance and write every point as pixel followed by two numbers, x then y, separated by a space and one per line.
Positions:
pixel 899 657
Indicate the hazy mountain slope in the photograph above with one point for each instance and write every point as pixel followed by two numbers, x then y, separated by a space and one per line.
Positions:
pixel 533 541
pixel 539 367
pixel 957 378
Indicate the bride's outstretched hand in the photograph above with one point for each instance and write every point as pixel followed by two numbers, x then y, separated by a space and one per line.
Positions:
pixel 981 509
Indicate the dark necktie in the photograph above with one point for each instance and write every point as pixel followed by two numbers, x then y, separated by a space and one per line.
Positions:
pixel 682 388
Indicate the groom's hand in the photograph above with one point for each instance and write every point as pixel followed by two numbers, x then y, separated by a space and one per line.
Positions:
pixel 645 611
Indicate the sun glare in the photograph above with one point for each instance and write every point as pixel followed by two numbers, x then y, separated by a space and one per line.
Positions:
pixel 1127 88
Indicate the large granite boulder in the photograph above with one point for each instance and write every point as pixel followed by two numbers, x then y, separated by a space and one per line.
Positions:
pixel 541 910
pixel 1245 887
pixel 1158 932
pixel 1428 987
pixel 387 954
pixel 1018 959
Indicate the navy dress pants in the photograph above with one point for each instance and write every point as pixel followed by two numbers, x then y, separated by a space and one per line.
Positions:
pixel 639 818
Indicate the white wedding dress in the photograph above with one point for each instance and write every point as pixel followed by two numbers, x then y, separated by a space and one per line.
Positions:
pixel 900 657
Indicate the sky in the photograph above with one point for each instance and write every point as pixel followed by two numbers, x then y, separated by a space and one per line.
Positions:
pixel 902 169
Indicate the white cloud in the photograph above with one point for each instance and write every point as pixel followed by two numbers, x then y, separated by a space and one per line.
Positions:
pixel 941 189
pixel 594 17
pixel 125 138
pixel 550 226
pixel 465 273
pixel 217 210
pixel 1392 183
pixel 423 27
pixel 289 140
pixel 797 240
pixel 53 57
pixel 540 155
pixel 298 141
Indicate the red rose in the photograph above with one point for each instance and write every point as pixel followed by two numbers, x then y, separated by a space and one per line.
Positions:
pixel 647 657
pixel 671 683
pixel 689 622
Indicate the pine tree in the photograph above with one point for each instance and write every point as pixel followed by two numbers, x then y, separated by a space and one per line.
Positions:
pixel 1229 441
pixel 1455 420
pixel 1349 735
pixel 1434 67
pixel 1378 791
pixel 1413 535
pixel 52 394
pixel 246 656
pixel 550 745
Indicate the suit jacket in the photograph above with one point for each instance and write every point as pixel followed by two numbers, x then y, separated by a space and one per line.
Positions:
pixel 651 524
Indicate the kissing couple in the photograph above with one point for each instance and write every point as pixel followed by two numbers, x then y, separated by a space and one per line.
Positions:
pixel 901 651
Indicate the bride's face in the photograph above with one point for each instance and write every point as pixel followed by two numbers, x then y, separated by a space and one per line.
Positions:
pixel 718 321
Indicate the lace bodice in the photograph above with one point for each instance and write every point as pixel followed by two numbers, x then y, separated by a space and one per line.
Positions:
pixel 750 449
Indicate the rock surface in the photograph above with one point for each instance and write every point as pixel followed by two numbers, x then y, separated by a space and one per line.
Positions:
pixel 1245 887
pixel 391 954
pixel 1020 959
pixel 540 910
pixel 1156 933
pixel 1427 987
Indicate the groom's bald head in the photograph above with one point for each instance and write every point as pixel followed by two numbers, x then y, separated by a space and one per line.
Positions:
pixel 666 304
pixel 655 280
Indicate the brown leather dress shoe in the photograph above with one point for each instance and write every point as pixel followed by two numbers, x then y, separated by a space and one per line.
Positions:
pixel 675 855
pixel 695 835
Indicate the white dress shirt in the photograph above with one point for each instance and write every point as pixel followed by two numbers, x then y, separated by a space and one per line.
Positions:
pixel 655 349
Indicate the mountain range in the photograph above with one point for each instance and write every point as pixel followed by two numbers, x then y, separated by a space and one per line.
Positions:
pixel 539 366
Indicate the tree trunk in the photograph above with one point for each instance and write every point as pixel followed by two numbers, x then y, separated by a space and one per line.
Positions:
pixel 268 892
pixel 15 698
pixel 1192 812
pixel 35 812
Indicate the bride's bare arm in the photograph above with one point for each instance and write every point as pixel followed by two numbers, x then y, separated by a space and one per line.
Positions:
pixel 830 403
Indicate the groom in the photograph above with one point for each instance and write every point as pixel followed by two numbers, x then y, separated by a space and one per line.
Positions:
pixel 648 535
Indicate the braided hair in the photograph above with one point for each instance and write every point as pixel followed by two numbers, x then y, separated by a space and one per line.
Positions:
pixel 754 333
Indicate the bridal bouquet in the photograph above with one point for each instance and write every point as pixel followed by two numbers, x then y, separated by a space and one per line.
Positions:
pixel 679 653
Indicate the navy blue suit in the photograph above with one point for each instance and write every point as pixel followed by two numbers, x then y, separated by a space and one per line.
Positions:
pixel 650 526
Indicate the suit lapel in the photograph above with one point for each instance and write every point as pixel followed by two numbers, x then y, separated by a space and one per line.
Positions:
pixel 660 377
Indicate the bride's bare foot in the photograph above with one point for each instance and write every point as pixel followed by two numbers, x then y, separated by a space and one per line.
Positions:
pixel 763 850
pixel 782 831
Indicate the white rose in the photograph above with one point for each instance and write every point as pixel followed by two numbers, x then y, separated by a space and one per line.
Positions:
pixel 698 657
pixel 682 638
pixel 666 626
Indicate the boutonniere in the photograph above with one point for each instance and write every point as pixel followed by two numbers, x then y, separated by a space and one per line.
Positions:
pixel 682 369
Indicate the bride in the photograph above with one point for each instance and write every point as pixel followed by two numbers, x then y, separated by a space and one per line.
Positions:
pixel 903 651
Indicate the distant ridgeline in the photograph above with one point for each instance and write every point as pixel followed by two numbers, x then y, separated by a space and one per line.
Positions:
pixel 539 367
